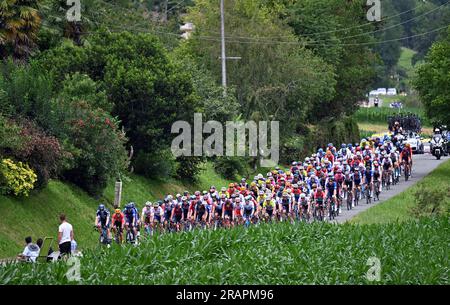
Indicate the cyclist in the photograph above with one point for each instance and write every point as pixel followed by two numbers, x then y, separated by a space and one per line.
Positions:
pixel 331 192
pixel 269 208
pixel 304 206
pixel 118 221
pixel 284 205
pixel 377 174
pixel 248 209
pixel 228 211
pixel 102 220
pixel 368 175
pixel 130 219
pixel 158 215
pixel 177 214
pixel 405 157
pixel 318 199
pixel 357 177
pixel 147 216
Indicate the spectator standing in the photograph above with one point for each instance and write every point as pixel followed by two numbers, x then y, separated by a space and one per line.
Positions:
pixel 65 236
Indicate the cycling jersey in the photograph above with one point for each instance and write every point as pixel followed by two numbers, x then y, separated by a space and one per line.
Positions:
pixel 103 216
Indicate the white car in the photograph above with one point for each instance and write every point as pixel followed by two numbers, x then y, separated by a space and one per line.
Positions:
pixel 382 91
pixel 373 93
pixel 391 92
pixel 415 141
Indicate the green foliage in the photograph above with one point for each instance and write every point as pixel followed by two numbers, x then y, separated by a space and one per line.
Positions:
pixel 380 115
pixel 271 78
pixel 80 87
pixel 431 201
pixel 352 64
pixel 42 152
pixel 97 146
pixel 16 178
pixel 318 253
pixel 156 165
pixel 10 139
pixel 229 167
pixel 27 91
pixel 19 24
pixel 433 82
pixel 189 167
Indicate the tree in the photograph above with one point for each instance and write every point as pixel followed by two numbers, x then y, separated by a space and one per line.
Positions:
pixel 343 42
pixel 276 77
pixel 433 81
pixel 19 24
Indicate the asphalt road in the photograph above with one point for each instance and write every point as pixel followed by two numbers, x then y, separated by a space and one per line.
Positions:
pixel 422 165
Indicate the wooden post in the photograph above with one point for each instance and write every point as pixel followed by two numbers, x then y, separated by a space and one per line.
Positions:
pixel 118 194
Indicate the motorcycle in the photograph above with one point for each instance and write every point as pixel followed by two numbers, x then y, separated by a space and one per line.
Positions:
pixel 437 144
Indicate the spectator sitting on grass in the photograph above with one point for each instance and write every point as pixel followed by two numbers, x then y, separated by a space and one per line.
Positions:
pixel 31 251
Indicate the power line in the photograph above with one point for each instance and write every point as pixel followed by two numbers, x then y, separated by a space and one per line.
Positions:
pixel 217 39
pixel 345 37
pixel 331 31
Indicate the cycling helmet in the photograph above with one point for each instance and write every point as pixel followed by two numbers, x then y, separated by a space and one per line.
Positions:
pixel 178 195
pixel 197 193
pixel 160 203
pixel 303 196
pixel 223 196
pixel 205 193
pixel 170 197
pixel 343 145
pixel 212 187
pixel 101 207
pixel 155 205
pixel 128 207
pixel 185 193
pixel 192 197
pixel 184 198
pixel 148 204
pixel 295 185
pixel 131 204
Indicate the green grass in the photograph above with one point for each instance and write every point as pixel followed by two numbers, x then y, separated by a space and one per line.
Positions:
pixel 381 115
pixel 398 208
pixel 37 216
pixel 320 253
pixel 405 61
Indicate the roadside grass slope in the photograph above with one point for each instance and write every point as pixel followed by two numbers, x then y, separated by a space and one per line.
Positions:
pixel 37 215
pixel 398 208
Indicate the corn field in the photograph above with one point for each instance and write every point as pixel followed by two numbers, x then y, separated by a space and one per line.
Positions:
pixel 414 252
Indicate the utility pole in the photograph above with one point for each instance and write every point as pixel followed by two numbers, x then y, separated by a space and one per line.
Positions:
pixel 165 11
pixel 224 58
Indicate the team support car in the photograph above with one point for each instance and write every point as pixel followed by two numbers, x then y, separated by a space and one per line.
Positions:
pixel 415 141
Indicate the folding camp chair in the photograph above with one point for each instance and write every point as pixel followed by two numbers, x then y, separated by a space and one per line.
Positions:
pixel 43 253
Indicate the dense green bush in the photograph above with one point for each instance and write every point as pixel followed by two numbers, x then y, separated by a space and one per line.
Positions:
pixel 156 165
pixel 97 146
pixel 229 167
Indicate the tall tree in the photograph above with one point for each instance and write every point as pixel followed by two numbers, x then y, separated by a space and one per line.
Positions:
pixel 433 81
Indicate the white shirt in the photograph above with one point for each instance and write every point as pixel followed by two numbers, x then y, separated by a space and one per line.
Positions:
pixel 65 228
pixel 31 251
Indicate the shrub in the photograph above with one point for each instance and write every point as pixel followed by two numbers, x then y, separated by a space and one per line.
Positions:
pixel 431 201
pixel 16 178
pixel 188 167
pixel 41 151
pixel 156 165
pixel 229 167
pixel 97 146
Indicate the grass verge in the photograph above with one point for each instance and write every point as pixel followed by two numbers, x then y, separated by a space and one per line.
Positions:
pixel 399 208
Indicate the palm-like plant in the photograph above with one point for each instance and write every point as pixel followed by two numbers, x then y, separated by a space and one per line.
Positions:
pixel 19 24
